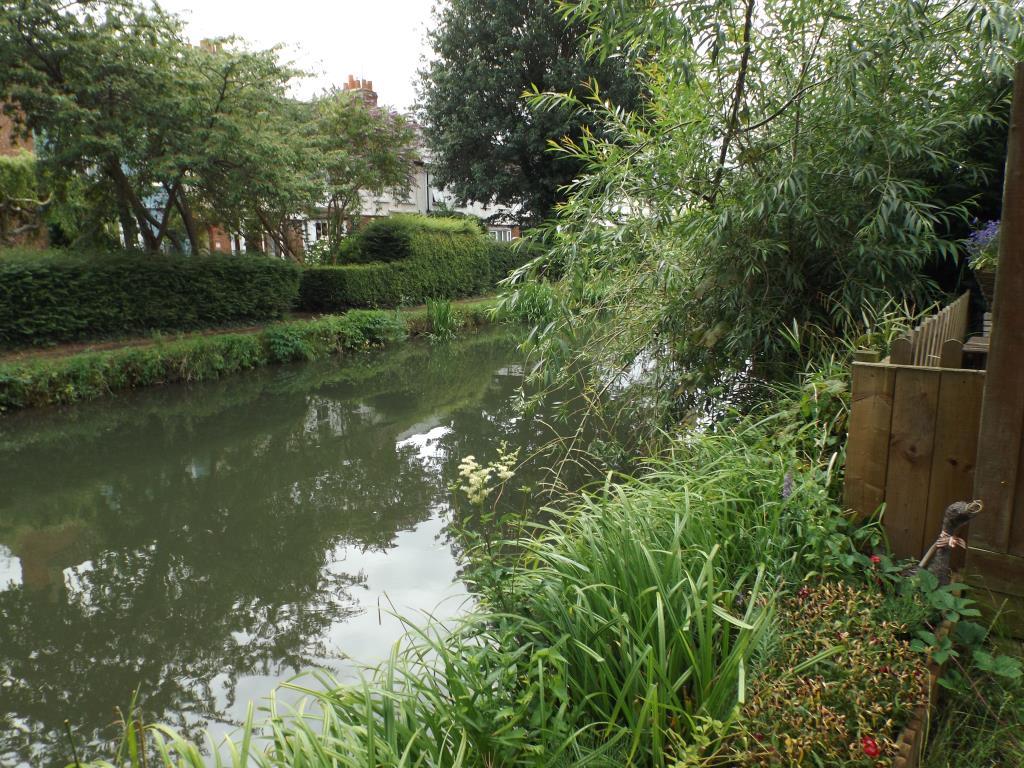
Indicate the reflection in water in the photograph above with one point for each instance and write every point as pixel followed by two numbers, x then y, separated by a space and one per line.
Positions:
pixel 203 544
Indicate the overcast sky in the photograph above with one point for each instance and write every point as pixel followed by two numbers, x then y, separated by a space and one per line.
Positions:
pixel 379 40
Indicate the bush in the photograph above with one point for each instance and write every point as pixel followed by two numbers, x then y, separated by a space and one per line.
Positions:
pixel 390 238
pixel 94 374
pixel 443 265
pixel 57 296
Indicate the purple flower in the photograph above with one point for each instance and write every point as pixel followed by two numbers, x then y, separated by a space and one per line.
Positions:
pixel 982 238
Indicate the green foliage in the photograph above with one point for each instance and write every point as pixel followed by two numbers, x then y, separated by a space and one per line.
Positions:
pixel 440 264
pixel 486 55
pixel 776 173
pixel 94 374
pixel 981 724
pixel 443 320
pixel 20 203
pixel 358 149
pixel 534 304
pixel 58 296
pixel 166 136
pixel 390 238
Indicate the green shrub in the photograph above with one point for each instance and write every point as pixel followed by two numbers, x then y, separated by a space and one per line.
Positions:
pixel 390 238
pixel 93 374
pixel 56 296
pixel 440 265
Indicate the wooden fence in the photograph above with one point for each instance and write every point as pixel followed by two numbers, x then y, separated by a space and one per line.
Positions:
pixel 937 342
pixel 914 431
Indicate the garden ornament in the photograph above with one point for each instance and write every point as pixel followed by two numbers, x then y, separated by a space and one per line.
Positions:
pixel 937 558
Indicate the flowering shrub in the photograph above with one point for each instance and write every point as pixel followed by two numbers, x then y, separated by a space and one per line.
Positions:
pixel 839 686
pixel 983 246
pixel 479 477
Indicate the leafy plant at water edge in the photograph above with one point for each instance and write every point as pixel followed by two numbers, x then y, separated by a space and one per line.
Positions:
pixel 93 374
pixel 443 320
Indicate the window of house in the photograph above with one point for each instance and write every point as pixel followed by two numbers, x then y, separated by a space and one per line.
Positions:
pixel 501 235
pixel 319 230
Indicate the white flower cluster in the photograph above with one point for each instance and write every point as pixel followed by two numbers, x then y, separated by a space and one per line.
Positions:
pixel 479 478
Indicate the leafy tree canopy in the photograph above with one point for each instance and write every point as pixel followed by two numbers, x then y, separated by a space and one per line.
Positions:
pixel 170 136
pixel 796 164
pixel 360 150
pixel 487 145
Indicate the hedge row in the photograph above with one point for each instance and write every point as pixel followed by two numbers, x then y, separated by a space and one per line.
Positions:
pixel 90 375
pixel 58 296
pixel 439 265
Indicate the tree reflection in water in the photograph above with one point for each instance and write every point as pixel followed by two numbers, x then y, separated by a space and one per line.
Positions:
pixel 182 539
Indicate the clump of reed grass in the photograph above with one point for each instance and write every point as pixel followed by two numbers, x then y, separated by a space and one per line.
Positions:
pixel 444 321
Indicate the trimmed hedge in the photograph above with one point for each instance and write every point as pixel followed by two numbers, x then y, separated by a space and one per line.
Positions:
pixel 440 265
pixel 390 238
pixel 58 296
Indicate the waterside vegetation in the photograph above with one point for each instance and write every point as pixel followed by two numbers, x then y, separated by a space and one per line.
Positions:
pixel 42 381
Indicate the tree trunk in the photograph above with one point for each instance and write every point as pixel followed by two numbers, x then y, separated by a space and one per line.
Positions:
pixel 188 220
pixel 142 216
pixel 129 230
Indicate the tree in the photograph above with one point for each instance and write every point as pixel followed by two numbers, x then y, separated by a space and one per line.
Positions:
pixel 118 96
pixel 487 145
pixel 791 168
pixel 21 206
pixel 169 136
pixel 359 149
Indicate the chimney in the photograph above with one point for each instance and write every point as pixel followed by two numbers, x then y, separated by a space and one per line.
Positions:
pixel 363 89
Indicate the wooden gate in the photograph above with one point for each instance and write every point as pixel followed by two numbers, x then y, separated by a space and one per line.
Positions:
pixel 913 431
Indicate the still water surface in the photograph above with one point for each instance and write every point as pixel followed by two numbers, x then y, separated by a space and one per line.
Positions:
pixel 203 544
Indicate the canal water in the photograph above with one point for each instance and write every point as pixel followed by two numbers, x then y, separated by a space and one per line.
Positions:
pixel 202 544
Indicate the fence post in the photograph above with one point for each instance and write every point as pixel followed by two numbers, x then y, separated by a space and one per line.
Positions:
pixel 996 556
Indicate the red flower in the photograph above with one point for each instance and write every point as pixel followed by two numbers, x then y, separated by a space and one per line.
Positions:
pixel 875 560
pixel 803 592
pixel 870 747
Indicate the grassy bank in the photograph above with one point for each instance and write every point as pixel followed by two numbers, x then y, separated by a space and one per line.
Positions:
pixel 57 381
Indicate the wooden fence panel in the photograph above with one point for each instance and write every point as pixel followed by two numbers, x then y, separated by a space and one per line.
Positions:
pixel 867 455
pixel 925 345
pixel 956 445
pixel 911 448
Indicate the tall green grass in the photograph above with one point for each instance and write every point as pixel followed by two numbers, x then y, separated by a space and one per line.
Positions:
pixel 444 322
pixel 628 627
